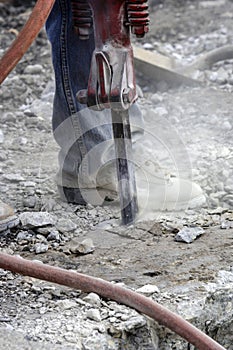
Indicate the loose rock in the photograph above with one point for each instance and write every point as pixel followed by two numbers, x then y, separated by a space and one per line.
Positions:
pixel 84 247
pixel 189 234
pixel 148 289
pixel 36 219
pixel 33 69
pixel 94 314
pixel 66 225
pixel 40 248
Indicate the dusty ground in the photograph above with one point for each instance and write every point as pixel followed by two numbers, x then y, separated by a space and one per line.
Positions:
pixel 199 144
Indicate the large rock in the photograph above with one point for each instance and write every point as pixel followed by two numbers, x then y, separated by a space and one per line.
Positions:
pixel 36 219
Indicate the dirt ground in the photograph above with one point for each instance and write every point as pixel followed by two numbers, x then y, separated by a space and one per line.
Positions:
pixel 199 120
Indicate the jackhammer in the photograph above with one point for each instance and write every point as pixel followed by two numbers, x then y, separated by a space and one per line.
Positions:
pixel 112 79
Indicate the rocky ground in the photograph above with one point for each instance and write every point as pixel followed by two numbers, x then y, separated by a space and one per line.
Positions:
pixel 194 279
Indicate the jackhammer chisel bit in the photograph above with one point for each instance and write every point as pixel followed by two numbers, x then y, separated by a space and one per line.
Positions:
pixel 125 166
pixel 112 79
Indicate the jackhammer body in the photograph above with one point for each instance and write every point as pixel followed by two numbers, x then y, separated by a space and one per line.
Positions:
pixel 112 79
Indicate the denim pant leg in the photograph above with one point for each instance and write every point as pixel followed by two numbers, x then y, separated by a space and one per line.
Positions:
pixel 84 136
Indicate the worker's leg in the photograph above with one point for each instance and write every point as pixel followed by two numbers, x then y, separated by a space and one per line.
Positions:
pixel 86 157
pixel 82 134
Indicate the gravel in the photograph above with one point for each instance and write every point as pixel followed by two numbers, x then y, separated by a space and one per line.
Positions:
pixel 192 131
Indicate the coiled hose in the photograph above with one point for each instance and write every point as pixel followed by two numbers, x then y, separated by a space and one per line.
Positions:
pixel 78 280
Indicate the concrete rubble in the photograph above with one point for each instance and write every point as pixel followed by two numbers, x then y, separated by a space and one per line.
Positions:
pixel 51 311
pixel 192 136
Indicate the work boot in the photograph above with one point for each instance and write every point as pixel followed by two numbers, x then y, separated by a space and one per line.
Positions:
pixel 156 190
pixel 8 219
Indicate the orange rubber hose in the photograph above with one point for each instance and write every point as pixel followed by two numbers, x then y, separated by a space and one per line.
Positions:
pixel 25 38
pixel 108 290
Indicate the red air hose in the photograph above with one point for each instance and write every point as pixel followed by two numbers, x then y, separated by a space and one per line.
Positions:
pixel 108 290
pixel 25 37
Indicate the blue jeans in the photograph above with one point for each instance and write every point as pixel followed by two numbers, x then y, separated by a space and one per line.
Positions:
pixel 84 136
